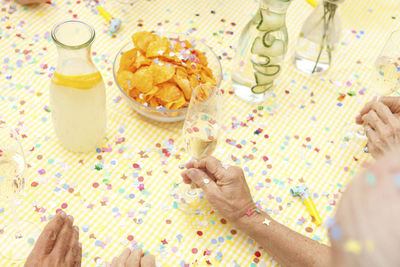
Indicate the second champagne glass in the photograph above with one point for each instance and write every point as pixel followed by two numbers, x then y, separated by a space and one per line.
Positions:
pixel 385 78
pixel 17 238
pixel 201 130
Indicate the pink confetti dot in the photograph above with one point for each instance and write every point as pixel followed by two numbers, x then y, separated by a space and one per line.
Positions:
pixel 64 205
pixel 194 250
pixel 130 237
pixel 348 83
pixel 346 169
pixel 174 249
pixel 140 179
pixel 95 185
pixel 42 171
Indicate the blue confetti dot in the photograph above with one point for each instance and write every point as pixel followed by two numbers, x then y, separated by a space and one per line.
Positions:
pixel 115 209
pixel 31 240
pixel 278 199
pixel 339 104
pixel 131 196
pixel 221 239
pixel 1 210
pixel 264 172
pixel 98 150
pixel 97 243
pixel 85 227
pixel 213 241
pixel 362 32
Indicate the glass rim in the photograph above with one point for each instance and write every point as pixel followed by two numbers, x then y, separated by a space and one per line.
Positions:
pixel 72 47
pixel 167 34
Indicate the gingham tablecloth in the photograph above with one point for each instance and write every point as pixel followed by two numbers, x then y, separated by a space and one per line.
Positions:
pixel 120 195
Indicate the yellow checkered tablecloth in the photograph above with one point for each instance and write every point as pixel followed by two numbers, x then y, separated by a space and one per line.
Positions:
pixel 121 195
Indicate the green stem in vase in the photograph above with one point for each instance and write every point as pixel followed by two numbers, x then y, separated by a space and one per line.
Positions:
pixel 329 14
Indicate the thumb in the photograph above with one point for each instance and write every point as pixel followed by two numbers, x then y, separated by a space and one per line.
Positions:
pixel 201 180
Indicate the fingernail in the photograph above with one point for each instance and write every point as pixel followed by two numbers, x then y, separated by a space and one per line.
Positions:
pixel 76 228
pixel 70 218
pixel 62 214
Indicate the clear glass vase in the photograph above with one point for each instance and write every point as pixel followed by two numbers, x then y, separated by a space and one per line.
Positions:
pixel 318 38
pixel 260 52
pixel 77 91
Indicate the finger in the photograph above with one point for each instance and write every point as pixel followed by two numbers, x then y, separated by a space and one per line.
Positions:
pixel 73 250
pixel 392 102
pixel 63 240
pixel 148 261
pixel 201 180
pixel 367 107
pixel 212 165
pixel 124 256
pixel 374 143
pixel 45 243
pixel 115 262
pixel 78 260
pixel 190 164
pixel 134 258
pixel 372 119
pixel 383 112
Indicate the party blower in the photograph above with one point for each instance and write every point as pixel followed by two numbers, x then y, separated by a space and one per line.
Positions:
pixel 302 191
pixel 115 23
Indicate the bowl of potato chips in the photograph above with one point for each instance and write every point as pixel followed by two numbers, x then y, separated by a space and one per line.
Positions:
pixel 157 72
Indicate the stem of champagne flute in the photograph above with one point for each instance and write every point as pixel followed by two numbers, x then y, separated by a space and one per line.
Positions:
pixel 18 232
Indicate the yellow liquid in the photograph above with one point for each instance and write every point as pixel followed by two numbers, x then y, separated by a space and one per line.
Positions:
pixel 79 116
pixel 12 166
pixel 200 136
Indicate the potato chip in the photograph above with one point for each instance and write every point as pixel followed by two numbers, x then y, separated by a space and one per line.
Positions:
pixel 142 61
pixel 168 93
pixel 158 47
pixel 162 72
pixel 181 79
pixel 143 80
pixel 124 79
pixel 193 80
pixel 141 40
pixel 128 60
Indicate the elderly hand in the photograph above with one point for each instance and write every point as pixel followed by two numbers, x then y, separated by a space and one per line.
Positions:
pixel 381 119
pixel 134 258
pixel 225 188
pixel 57 245
pixel 30 2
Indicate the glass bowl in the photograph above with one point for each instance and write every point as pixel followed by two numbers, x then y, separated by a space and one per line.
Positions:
pixel 165 115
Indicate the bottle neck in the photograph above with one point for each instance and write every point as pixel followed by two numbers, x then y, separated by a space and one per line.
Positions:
pixel 277 6
pixel 75 62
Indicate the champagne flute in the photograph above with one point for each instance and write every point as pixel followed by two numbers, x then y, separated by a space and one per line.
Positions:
pixel 201 130
pixel 17 238
pixel 386 78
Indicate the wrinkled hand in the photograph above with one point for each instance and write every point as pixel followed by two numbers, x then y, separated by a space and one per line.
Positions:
pixel 134 258
pixel 30 2
pixel 226 190
pixel 382 124
pixel 58 244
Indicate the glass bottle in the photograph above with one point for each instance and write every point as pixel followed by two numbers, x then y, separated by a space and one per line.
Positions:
pixel 260 52
pixel 318 38
pixel 77 91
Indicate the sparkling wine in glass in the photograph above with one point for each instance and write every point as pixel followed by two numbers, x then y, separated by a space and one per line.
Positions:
pixel 201 130
pixel 385 78
pixel 16 238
